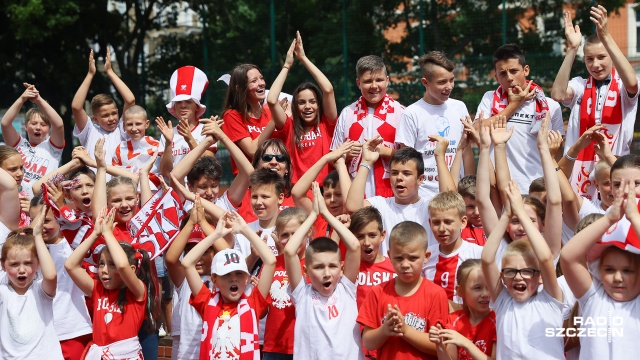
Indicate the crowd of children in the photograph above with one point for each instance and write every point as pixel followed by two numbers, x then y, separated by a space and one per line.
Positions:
pixel 369 233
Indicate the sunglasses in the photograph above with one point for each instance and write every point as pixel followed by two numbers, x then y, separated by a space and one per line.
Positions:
pixel 268 157
pixel 510 273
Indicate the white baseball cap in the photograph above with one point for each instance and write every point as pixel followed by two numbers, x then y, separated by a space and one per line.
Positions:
pixel 188 83
pixel 228 260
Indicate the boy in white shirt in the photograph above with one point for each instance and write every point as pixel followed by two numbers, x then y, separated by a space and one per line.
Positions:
pixel 104 111
pixel 407 173
pixel 434 114
pixel 326 309
pixel 608 98
pixel 524 110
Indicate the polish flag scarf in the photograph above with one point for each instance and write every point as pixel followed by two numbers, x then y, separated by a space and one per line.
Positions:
pixel 387 116
pixel 611 118
pixel 249 345
pixel 501 100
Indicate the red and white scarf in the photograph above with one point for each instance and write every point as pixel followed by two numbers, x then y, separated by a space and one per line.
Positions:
pixel 249 345
pixel 501 100
pixel 389 112
pixel 610 117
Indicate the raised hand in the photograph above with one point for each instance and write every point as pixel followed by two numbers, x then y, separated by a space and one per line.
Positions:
pixel 543 133
pixel 179 187
pixel 107 61
pixel 370 150
pixel 80 153
pixel 340 151
pixel 299 49
pixel 315 206
pixel 485 137
pixel 146 168
pixel 515 199
pixel 235 222
pixel 471 130
pixel 602 148
pixel 38 222
pixel 55 194
pixel 499 133
pixel 599 18
pixel 99 154
pixel 555 143
pixel 184 130
pixel 520 95
pixel 288 60
pixel 92 64
pixel 587 137
pixel 100 219
pixel 572 33
pixel 109 222
pixel 212 127
pixel 618 207
pixel 165 128
pixel 30 93
pixel 441 144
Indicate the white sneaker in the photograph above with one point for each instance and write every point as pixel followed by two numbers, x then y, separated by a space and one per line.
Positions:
pixel 161 331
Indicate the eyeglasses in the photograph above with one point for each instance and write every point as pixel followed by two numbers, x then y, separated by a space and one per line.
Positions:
pixel 268 157
pixel 510 273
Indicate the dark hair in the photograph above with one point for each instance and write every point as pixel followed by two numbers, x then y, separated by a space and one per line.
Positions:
pixel 363 217
pixel 146 273
pixel 586 221
pixel 467 187
pixel 99 101
pixel 206 166
pixel 322 245
pixel 82 170
pixel 267 177
pixel 625 162
pixel 509 51
pixel 278 144
pixel 298 126
pixel 428 61
pixel 592 39
pixel 37 200
pixel 331 180
pixel 236 98
pixel 537 185
pixel 407 154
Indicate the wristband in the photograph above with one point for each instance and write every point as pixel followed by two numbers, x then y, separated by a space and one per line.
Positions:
pixel 566 155
pixel 366 166
pixel 286 67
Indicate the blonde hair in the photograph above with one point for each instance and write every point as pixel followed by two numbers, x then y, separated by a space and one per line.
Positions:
pixel 446 201
pixel 462 275
pixel 289 214
pixel 7 152
pixel 21 238
pixel 522 248
pixel 408 232
pixel 35 111
pixel 99 101
pixel 601 166
pixel 135 110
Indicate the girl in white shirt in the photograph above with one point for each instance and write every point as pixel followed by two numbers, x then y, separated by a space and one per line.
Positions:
pixel 26 303
pixel 608 285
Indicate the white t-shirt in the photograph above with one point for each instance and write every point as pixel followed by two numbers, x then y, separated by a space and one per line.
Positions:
pixel 243 244
pixel 91 133
pixel 522 149
pixel 394 213
pixel 446 266
pixel 326 327
pixel 186 323
pixel 370 124
pixel 70 315
pixel 180 146
pixel 26 324
pixel 622 319
pixel 422 119
pixel 521 327
pixel 4 232
pixel 38 161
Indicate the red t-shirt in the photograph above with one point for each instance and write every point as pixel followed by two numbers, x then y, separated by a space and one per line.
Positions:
pixel 311 147
pixel 227 321
pixel 423 309
pixel 473 234
pixel 482 335
pixel 246 211
pixel 371 275
pixel 281 319
pixel 237 128
pixel 109 325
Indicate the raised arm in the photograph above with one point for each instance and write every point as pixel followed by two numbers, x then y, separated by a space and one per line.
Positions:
pixel 277 112
pixel 553 215
pixel 47 266
pixel 300 189
pixel 57 125
pixel 489 266
pixel 488 214
pixel 10 201
pixel 11 136
pixel 143 179
pixel 77 104
pixel 329 107
pixel 620 62
pixel 561 91
pixel 166 160
pixel 62 170
pixel 127 96
pixel 586 139
pixel 370 154
pixel 352 257
pixel 538 244
pixel 445 181
pixel 500 135
pixel 291 259
pixel 572 256
pixel 119 257
pixel 99 200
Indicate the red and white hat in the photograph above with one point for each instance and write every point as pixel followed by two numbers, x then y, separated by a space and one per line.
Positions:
pixel 620 235
pixel 188 83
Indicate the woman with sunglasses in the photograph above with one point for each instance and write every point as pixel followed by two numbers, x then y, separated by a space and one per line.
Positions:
pixel 273 155
pixel 247 121
pixel 307 133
